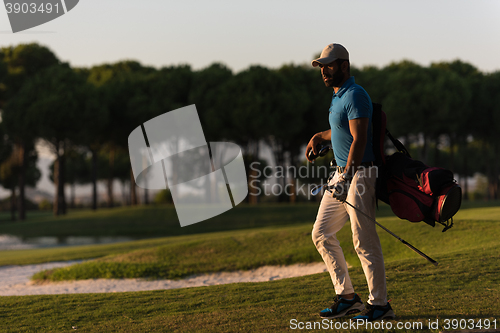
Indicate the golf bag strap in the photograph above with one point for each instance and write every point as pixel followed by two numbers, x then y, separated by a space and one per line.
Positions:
pixel 399 146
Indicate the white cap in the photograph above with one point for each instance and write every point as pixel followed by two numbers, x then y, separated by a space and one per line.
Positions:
pixel 331 53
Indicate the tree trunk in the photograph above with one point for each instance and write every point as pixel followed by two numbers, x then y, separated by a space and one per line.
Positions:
pixel 133 192
pixel 59 200
pixel 281 165
pixel 13 203
pixel 253 198
pixel 72 203
pixel 423 152
pixel 466 182
pixel 60 186
pixel 125 198
pixel 55 205
pixel 466 189
pixel 494 174
pixel 295 163
pixel 22 181
pixel 110 178
pixel 437 156
pixel 452 153
pixel 492 189
pixel 94 179
pixel 292 197
pixel 492 181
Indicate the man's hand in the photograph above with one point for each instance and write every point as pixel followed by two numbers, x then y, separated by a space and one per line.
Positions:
pixel 341 189
pixel 315 141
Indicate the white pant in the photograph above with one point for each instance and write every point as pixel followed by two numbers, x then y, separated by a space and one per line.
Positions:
pixel 332 216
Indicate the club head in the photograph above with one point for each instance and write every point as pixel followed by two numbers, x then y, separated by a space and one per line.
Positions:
pixel 322 151
pixel 316 189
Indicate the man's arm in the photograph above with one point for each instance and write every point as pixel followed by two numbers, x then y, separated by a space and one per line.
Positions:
pixel 359 132
pixel 317 139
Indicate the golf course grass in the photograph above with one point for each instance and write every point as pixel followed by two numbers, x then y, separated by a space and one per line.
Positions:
pixel 181 256
pixel 465 284
pixel 155 221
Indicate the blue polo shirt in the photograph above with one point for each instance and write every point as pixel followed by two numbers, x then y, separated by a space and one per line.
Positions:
pixel 350 102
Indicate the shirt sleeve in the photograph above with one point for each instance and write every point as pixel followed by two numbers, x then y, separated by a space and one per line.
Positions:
pixel 358 104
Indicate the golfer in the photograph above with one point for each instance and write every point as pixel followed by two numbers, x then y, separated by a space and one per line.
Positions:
pixel 350 133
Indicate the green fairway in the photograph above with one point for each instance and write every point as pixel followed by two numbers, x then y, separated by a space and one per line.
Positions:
pixel 463 286
pixel 176 257
pixel 160 221
pixel 141 223
pixel 155 221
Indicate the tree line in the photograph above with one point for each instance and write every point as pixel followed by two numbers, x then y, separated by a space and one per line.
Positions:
pixel 447 113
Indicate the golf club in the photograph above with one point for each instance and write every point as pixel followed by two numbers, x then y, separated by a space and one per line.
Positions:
pixel 322 151
pixel 317 189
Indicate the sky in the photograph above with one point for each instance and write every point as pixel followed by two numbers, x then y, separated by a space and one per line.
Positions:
pixel 270 33
pixel 267 32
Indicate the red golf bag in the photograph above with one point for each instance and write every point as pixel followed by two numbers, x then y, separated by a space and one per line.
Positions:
pixel 415 191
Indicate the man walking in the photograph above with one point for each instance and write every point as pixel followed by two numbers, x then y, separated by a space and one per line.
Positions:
pixel 350 133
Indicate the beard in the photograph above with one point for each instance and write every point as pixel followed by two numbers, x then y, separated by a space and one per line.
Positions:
pixel 335 79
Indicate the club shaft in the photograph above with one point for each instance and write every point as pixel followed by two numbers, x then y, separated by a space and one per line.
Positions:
pixel 434 262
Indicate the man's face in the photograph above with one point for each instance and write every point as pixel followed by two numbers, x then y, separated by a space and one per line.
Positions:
pixel 332 74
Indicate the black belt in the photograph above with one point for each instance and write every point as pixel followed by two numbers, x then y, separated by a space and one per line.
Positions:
pixel 341 169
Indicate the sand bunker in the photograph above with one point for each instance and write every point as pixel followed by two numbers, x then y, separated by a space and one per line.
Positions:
pixel 15 280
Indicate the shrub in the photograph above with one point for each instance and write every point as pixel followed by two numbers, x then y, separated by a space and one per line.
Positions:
pixel 163 197
pixel 45 205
